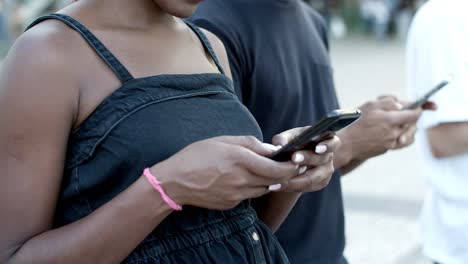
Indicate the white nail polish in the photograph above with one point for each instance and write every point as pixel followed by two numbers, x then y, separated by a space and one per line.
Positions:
pixel 403 139
pixel 320 149
pixel 275 187
pixel 302 170
pixel 298 158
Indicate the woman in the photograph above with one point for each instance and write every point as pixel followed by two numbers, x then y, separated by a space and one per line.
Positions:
pixel 78 129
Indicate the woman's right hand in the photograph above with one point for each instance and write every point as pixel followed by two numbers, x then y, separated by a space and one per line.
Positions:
pixel 221 172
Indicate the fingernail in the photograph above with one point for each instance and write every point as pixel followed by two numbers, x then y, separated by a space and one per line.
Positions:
pixel 302 170
pixel 398 106
pixel 403 139
pixel 320 149
pixel 271 147
pixel 298 158
pixel 275 187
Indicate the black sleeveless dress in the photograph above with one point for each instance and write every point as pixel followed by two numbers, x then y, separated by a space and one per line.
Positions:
pixel 144 122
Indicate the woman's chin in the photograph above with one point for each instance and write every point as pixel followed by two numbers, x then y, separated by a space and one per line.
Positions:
pixel 179 8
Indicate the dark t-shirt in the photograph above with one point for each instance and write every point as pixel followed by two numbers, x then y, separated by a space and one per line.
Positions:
pixel 278 50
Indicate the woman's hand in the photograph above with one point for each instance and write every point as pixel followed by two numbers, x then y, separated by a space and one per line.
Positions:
pixel 315 166
pixel 221 172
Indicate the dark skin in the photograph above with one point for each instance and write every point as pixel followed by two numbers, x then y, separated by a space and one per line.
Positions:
pixel 43 97
pixel 383 126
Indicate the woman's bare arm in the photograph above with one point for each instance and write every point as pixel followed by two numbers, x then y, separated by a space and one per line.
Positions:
pixel 38 105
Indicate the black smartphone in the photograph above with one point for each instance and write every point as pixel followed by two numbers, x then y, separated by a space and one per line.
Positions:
pixel 325 128
pixel 424 99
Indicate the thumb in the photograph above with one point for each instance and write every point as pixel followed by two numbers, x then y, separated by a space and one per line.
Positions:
pixel 286 136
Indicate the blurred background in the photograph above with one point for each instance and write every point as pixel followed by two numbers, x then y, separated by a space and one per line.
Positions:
pixel 384 196
pixel 384 20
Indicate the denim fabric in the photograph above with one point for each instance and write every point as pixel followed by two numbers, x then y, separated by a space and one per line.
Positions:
pixel 144 122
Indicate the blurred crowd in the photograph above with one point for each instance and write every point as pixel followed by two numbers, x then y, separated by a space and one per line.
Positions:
pixel 379 17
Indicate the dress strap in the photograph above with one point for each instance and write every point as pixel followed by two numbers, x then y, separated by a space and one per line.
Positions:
pixel 117 67
pixel 206 43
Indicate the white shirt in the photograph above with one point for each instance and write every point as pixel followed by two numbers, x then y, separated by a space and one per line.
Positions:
pixel 437 47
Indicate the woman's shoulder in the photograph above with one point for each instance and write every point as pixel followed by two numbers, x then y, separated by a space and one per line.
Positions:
pixel 215 42
pixel 219 50
pixel 37 65
pixel 49 48
pixel 49 39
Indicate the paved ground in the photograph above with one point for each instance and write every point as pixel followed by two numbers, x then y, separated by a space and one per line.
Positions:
pixel 383 197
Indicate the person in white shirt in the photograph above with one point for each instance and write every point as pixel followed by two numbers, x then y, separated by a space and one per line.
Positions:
pixel 438 47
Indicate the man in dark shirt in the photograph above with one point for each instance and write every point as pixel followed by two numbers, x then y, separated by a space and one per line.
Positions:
pixel 278 51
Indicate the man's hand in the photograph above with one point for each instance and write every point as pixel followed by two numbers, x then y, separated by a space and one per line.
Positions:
pixel 384 125
pixel 407 137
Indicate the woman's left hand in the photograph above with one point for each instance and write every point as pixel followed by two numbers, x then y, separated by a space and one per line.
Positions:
pixel 315 165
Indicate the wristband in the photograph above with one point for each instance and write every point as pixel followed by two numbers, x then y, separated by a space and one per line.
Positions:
pixel 157 186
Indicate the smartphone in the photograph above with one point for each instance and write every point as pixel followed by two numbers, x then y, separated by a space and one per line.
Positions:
pixel 325 128
pixel 425 98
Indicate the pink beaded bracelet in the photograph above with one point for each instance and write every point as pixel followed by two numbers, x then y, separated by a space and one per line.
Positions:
pixel 157 186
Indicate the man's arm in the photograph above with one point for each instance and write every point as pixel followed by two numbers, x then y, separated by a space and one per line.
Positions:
pixel 377 131
pixel 274 208
pixel 448 139
pixel 350 166
pixel 382 127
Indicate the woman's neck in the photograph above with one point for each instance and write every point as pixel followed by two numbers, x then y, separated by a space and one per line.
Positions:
pixel 132 14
